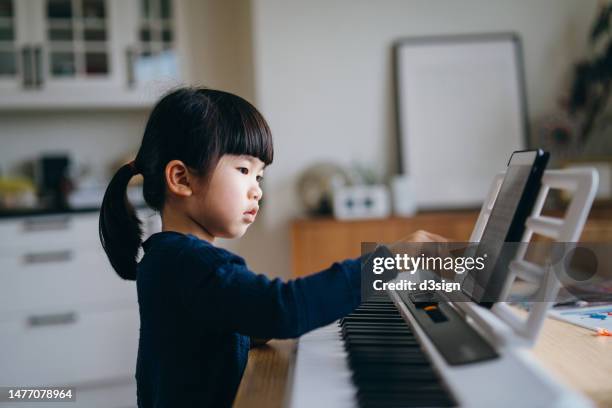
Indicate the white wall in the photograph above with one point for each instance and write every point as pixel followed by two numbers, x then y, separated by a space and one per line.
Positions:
pixel 95 138
pixel 323 81
pixel 215 37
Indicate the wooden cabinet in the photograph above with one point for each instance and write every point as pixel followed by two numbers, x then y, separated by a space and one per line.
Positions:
pixel 318 242
pixel 86 53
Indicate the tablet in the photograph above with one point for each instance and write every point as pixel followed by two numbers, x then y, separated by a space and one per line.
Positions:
pixel 514 203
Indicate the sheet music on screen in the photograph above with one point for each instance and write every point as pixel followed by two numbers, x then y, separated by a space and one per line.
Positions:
pixel 495 234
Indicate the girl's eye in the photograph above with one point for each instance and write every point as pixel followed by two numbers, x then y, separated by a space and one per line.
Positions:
pixel 243 170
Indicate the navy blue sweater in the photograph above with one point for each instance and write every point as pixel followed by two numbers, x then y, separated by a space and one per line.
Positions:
pixel 199 306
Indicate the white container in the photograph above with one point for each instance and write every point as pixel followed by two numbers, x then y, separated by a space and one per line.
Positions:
pixel 361 202
pixel 404 196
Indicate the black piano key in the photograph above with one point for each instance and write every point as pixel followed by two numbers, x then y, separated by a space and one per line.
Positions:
pixel 411 360
pixel 365 331
pixel 386 342
pixel 409 393
pixel 407 403
pixel 408 377
pixel 373 318
pixel 388 366
pixel 378 325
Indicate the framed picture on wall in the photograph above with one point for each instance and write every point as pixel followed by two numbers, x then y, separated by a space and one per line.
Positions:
pixel 461 111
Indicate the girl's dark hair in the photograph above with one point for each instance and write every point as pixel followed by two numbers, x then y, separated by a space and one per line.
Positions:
pixel 194 125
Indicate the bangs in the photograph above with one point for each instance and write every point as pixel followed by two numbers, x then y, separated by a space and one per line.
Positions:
pixel 243 129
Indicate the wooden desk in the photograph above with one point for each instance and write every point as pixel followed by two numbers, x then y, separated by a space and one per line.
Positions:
pixel 578 358
pixel 267 379
pixel 573 355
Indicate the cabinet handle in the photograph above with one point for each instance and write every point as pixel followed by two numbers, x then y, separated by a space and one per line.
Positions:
pixel 26 65
pixel 46 224
pixel 52 319
pixel 130 56
pixel 38 71
pixel 49 256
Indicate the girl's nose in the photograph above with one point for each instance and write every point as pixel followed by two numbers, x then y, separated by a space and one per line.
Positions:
pixel 256 193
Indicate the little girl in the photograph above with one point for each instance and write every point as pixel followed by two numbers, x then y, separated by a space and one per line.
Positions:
pixel 202 158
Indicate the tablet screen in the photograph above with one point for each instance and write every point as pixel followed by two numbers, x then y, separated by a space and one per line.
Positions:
pixel 506 223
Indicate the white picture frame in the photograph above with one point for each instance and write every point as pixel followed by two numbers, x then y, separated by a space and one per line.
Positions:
pixel 461 111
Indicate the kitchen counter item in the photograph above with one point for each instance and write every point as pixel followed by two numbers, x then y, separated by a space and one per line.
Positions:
pixel 17 193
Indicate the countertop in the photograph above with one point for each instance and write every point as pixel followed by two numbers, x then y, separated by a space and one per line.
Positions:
pixel 29 212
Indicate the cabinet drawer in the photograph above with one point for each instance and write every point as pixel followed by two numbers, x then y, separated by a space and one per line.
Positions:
pixel 117 395
pixel 56 279
pixel 49 232
pixel 55 231
pixel 69 348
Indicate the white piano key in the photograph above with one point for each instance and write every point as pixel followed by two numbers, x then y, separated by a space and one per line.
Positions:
pixel 321 377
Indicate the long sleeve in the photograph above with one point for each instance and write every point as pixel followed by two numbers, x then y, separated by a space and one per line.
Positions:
pixel 198 303
pixel 223 293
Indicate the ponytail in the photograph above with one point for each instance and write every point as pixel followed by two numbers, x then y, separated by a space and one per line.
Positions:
pixel 119 228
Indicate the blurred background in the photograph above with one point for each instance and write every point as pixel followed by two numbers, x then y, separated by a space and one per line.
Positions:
pixel 79 77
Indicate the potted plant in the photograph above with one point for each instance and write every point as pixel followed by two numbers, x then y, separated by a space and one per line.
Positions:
pixel 590 89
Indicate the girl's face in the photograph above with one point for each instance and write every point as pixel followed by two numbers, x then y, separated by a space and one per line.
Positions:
pixel 230 202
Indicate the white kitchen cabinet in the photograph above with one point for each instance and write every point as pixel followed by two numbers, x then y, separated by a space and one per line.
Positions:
pixel 78 54
pixel 66 318
pixel 13 38
pixel 56 280
pixel 70 348
pixel 47 233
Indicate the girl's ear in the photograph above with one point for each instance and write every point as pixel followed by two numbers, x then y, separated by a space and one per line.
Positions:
pixel 178 178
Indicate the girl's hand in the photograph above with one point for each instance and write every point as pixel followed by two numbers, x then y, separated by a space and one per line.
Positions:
pixel 423 236
pixel 422 243
pixel 418 244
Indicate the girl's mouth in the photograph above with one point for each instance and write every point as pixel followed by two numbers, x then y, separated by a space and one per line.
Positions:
pixel 251 214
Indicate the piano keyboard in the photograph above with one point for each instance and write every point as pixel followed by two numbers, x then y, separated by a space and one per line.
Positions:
pixel 375 359
pixel 389 368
